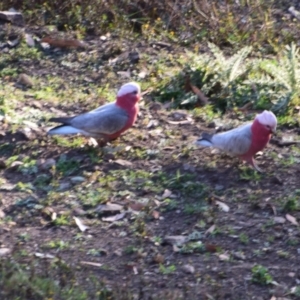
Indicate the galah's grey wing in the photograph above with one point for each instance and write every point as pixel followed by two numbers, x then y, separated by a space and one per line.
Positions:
pixel 101 121
pixel 236 141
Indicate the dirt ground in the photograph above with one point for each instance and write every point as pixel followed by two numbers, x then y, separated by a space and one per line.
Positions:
pixel 188 222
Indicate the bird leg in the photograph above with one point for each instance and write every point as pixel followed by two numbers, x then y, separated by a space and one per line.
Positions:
pixel 254 165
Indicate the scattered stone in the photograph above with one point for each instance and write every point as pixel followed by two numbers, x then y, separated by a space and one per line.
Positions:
pixel 159 258
pixel 64 186
pixel 25 80
pixel 109 207
pixel 13 43
pixel 12 17
pixel 2 214
pixel 29 40
pixel 2 164
pixel 77 179
pixel 7 187
pixel 4 251
pixel 134 57
pixel 189 269
pixel 16 164
pixel 279 220
pixel 175 240
pixel 47 164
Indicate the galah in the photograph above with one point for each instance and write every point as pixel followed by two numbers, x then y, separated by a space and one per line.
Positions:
pixel 106 122
pixel 244 141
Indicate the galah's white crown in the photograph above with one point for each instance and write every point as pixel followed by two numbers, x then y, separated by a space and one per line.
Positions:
pixel 267 118
pixel 128 88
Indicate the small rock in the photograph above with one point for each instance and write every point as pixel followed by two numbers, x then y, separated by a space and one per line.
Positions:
pixel 2 164
pixel 13 43
pixel 279 220
pixel 79 212
pixel 13 17
pixel 16 164
pixel 4 251
pixel 77 179
pixel 159 259
pixel 134 57
pixel 292 274
pixel 64 186
pixel 25 80
pixel 109 207
pixel 175 239
pixel 7 187
pixel 2 214
pixel 27 132
pixel 239 255
pixel 189 269
pixel 29 40
pixel 48 164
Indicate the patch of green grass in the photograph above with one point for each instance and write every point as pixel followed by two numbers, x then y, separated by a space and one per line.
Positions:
pixel 260 275
pixel 166 270
pixel 57 244
pixel 67 166
pixel 244 238
pixel 249 174
pixel 192 247
pixel 38 279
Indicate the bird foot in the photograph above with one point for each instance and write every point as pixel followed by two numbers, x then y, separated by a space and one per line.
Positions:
pixel 255 166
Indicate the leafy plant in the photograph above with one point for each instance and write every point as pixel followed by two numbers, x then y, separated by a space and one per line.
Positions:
pixel 260 275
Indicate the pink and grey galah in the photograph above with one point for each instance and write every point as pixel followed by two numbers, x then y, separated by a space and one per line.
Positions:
pixel 244 141
pixel 106 122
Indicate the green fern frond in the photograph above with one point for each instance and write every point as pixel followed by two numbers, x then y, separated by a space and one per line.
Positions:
pixel 236 66
pixel 217 52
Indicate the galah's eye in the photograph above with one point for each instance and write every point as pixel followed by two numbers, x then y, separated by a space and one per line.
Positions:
pixel 134 92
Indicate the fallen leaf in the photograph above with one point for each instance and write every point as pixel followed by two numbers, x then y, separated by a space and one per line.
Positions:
pixel 108 207
pixel 152 124
pixel 123 162
pixel 167 193
pixel 90 263
pixel 114 218
pixel 291 219
pixel 202 99
pixel 245 107
pixel 63 43
pixel 211 248
pixel 273 209
pixel 224 256
pixel 42 255
pixel 155 214
pixel 137 206
pixel 80 225
pixel 224 207
pixel 53 216
pixel 210 229
pixel 13 43
pixel 189 121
